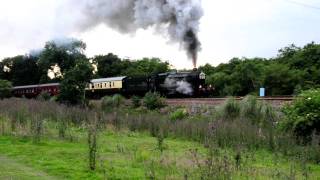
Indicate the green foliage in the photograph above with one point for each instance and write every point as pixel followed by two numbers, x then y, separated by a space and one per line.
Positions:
pixel 5 89
pixel 63 53
pixel 107 102
pixel 72 87
pixel 117 100
pixel 179 114
pixel 153 101
pixel 111 65
pixel 146 67
pixel 303 115
pixel 251 109
pixel 21 70
pixel 44 96
pixel 219 134
pixel 231 109
pixel 136 101
pixel 110 102
pixel 280 79
pixel 294 69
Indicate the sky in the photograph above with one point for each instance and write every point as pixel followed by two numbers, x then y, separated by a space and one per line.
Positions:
pixel 229 28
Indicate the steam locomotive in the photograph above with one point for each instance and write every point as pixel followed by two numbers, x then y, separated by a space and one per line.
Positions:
pixel 170 84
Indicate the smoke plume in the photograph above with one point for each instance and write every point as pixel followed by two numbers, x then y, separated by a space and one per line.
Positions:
pixel 179 18
pixel 181 86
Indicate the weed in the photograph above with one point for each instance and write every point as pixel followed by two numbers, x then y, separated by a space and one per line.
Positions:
pixel 136 101
pixel 153 101
pixel 231 109
pixel 151 173
pixel 179 114
pixel 92 142
pixel 36 128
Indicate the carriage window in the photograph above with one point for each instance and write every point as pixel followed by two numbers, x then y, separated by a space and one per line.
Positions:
pixel 110 84
pixel 113 84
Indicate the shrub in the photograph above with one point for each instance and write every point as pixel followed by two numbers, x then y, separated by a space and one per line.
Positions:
pixel 303 115
pixel 92 142
pixel 5 89
pixel 231 109
pixel 107 102
pixel 136 101
pixel 117 100
pixel 44 96
pixel 111 101
pixel 179 114
pixel 54 99
pixel 251 108
pixel 153 101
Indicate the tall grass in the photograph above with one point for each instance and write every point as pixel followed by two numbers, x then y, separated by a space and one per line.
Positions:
pixel 248 124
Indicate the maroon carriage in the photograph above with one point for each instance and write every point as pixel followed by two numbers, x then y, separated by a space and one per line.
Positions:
pixel 32 91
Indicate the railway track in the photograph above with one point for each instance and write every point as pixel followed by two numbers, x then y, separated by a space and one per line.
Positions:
pixel 277 101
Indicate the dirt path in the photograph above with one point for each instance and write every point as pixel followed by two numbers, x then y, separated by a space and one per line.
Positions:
pixel 11 169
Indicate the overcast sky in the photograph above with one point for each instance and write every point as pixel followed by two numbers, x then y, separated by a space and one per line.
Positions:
pixel 229 28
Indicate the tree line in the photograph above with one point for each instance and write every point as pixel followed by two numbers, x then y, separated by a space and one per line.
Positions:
pixel 56 60
pixel 65 62
pixel 294 69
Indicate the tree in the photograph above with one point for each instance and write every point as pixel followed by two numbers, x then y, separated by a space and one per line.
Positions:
pixel 207 69
pixel 221 82
pixel 288 52
pixel 302 116
pixel 63 54
pixel 5 89
pixel 249 74
pixel 74 82
pixel 25 71
pixel 6 66
pixel 281 80
pixel 20 70
pixel 109 65
pixel 146 67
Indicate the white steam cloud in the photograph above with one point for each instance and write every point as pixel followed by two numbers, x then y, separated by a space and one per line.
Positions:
pixel 179 18
pixel 180 86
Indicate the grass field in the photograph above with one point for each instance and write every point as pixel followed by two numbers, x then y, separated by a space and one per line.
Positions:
pixel 46 140
pixel 127 155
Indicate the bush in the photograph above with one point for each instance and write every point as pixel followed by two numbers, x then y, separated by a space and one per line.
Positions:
pixel 117 100
pixel 251 108
pixel 179 114
pixel 112 101
pixel 231 109
pixel 44 96
pixel 153 101
pixel 136 101
pixel 5 89
pixel 303 115
pixel 107 102
pixel 54 99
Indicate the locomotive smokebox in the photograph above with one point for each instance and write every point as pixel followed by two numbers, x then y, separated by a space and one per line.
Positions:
pixel 195 69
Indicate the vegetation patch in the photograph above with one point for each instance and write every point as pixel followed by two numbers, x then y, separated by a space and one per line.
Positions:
pixel 81 143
